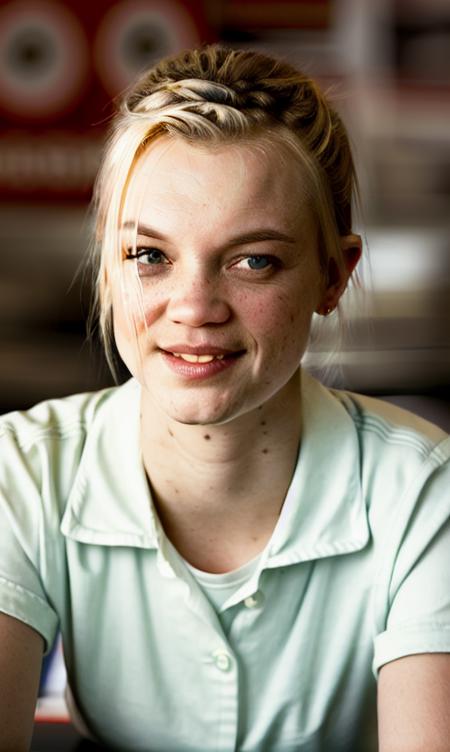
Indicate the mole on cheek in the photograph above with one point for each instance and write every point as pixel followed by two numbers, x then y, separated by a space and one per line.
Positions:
pixel 207 436
pixel 265 451
pixel 170 432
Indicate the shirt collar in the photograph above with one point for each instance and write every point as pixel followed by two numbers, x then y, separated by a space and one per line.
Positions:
pixel 324 513
pixel 110 502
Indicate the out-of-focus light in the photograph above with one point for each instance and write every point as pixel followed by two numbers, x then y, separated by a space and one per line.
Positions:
pixel 405 259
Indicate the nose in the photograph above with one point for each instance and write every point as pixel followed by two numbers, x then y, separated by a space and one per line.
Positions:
pixel 197 300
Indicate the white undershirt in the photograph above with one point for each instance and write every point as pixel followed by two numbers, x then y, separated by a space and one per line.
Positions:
pixel 219 587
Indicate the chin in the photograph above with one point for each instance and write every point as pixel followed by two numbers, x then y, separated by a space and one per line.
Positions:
pixel 195 411
pixel 199 417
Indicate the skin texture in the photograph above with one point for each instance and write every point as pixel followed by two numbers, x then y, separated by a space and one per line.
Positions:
pixel 414 704
pixel 20 665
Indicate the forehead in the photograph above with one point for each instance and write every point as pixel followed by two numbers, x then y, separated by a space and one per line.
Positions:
pixel 226 183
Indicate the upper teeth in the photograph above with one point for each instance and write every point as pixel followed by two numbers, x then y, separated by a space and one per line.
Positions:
pixel 197 358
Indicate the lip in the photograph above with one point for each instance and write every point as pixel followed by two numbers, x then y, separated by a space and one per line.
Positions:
pixel 200 371
pixel 204 349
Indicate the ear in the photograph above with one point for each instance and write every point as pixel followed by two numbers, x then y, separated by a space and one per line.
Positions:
pixel 338 274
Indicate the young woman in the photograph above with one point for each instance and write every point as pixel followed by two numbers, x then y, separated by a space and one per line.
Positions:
pixel 237 557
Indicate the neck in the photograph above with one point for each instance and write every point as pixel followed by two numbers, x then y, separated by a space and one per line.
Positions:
pixel 223 451
pixel 232 476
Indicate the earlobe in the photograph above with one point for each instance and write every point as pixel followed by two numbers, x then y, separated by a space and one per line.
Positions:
pixel 338 274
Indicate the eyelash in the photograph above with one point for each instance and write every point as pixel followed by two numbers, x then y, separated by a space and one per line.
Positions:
pixel 272 261
pixel 142 251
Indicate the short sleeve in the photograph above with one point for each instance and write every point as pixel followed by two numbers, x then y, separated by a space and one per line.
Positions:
pixel 22 594
pixel 415 580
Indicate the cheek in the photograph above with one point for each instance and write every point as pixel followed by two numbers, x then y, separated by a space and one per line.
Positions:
pixel 293 334
pixel 283 317
pixel 281 327
pixel 123 335
pixel 152 304
pixel 134 307
pixel 128 324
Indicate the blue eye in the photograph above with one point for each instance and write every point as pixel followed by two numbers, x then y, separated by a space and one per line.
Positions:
pixel 150 256
pixel 258 262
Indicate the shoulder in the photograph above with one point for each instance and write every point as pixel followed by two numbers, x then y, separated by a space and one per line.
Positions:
pixel 53 419
pixel 41 448
pixel 395 459
pixel 372 435
pixel 404 467
pixel 390 433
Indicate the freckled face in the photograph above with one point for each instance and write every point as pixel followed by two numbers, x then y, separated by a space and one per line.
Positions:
pixel 214 310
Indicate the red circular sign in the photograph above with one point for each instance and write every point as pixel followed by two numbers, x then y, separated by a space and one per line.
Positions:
pixel 135 34
pixel 44 60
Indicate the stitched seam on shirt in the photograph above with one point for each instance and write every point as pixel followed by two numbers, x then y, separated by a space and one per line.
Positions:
pixel 43 434
pixel 368 419
pixel 392 435
pixel 404 628
pixel 441 456
pixel 421 623
pixel 20 589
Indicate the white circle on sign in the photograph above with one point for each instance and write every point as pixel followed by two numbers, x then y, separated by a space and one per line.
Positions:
pixel 43 59
pixel 134 35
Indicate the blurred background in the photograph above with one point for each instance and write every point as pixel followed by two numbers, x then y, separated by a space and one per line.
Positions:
pixel 387 66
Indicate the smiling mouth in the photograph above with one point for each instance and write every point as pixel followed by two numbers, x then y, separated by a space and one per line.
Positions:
pixel 197 358
pixel 197 363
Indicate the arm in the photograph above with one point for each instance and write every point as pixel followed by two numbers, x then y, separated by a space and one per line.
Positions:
pixel 21 649
pixel 414 704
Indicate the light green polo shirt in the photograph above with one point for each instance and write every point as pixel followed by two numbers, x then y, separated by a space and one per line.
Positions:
pixel 356 574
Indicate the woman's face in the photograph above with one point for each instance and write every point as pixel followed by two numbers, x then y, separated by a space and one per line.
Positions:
pixel 213 315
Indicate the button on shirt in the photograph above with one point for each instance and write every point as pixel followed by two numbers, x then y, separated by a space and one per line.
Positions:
pixel 356 574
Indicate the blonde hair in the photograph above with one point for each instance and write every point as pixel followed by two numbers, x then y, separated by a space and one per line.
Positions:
pixel 218 95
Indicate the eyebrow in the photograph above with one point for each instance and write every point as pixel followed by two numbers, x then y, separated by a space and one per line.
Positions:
pixel 254 236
